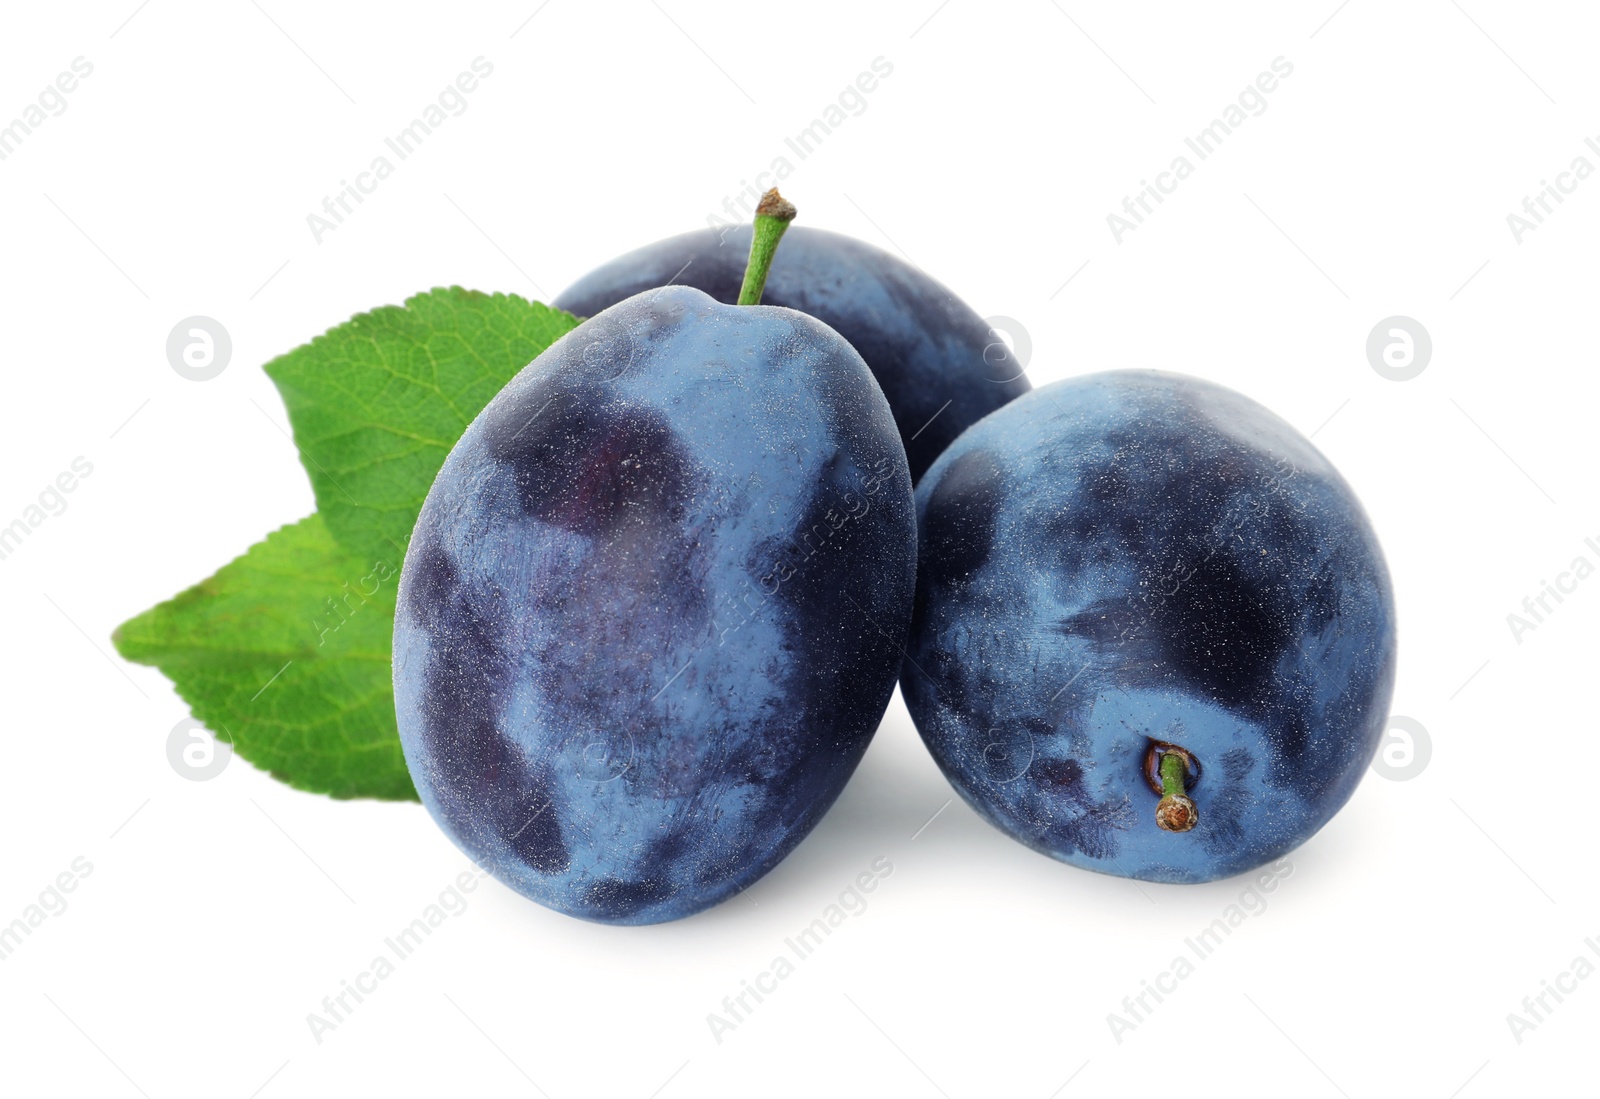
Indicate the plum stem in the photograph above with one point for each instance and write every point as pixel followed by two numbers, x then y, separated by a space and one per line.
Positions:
pixel 1174 772
pixel 773 215
pixel 1176 812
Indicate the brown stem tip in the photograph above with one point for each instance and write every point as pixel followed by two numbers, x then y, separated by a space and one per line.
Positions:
pixel 1176 813
pixel 1169 770
pixel 774 205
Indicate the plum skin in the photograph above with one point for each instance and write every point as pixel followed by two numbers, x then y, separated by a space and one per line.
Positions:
pixel 1135 557
pixel 924 345
pixel 652 609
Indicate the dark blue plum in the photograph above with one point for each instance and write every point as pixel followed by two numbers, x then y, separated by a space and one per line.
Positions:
pixel 1126 562
pixel 653 607
pixel 927 348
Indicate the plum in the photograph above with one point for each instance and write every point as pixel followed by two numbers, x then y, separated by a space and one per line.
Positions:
pixel 1153 632
pixel 938 362
pixel 653 606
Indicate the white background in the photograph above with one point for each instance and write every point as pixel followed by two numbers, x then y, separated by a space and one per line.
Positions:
pixel 1377 182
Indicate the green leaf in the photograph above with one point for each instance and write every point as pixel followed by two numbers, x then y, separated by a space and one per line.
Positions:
pixel 377 403
pixel 285 653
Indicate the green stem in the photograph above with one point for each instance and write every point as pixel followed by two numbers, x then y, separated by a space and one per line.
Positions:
pixel 773 215
pixel 1174 774
pixel 1176 811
